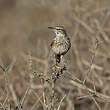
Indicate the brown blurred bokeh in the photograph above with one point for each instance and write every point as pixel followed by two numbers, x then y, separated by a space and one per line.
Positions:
pixel 24 28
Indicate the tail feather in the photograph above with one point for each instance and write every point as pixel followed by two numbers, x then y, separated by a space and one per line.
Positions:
pixel 58 58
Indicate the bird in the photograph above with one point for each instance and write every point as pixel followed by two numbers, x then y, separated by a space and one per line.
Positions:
pixel 61 43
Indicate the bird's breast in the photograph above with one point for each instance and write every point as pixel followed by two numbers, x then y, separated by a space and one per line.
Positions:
pixel 60 46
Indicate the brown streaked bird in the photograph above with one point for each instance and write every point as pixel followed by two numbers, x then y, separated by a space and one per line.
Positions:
pixel 61 43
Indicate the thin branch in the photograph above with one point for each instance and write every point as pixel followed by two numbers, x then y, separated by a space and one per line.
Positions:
pixel 98 106
pixel 36 103
pixel 92 60
pixel 87 27
pixel 104 98
pixel 61 102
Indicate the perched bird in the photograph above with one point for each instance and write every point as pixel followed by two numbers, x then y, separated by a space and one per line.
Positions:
pixel 61 43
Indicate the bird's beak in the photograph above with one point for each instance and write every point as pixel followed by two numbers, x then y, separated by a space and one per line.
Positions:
pixel 51 27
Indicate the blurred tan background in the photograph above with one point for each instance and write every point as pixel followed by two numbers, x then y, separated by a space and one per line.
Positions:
pixel 24 27
pixel 22 22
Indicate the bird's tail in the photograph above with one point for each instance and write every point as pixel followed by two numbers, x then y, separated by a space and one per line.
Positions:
pixel 58 58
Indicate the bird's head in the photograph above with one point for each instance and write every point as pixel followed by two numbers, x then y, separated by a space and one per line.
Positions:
pixel 59 30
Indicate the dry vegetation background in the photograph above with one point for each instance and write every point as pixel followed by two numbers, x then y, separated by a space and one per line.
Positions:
pixel 24 51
